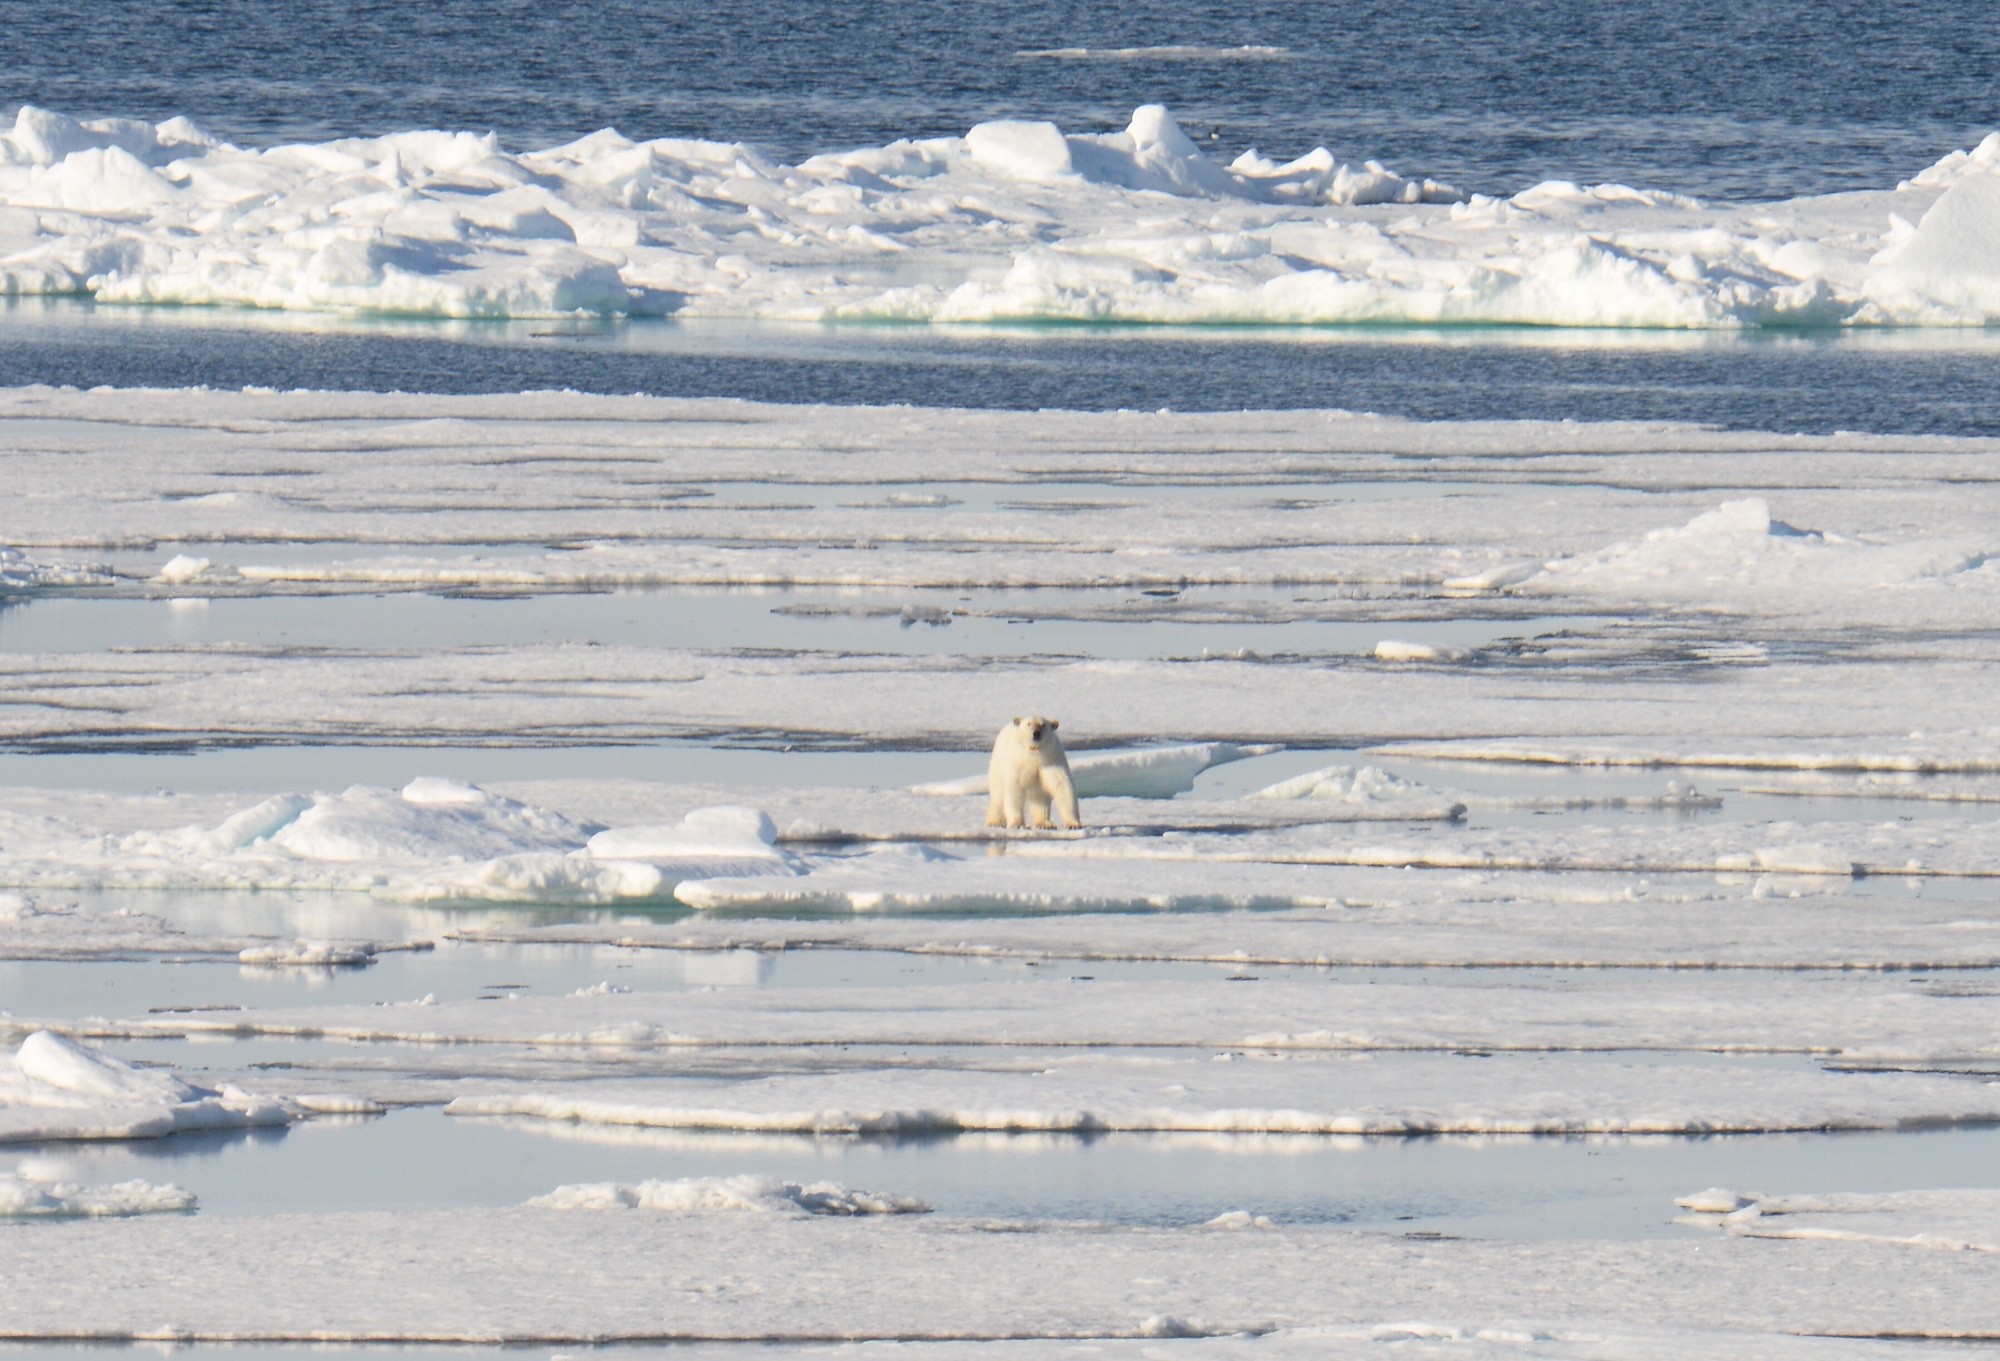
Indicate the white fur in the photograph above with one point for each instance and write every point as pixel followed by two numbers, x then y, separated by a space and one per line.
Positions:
pixel 1027 774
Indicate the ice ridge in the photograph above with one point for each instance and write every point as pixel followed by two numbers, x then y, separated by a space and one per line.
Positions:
pixel 1016 220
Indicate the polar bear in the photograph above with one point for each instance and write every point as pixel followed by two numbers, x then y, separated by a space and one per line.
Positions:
pixel 1029 772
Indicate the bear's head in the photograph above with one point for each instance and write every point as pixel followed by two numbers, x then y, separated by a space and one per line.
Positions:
pixel 1037 730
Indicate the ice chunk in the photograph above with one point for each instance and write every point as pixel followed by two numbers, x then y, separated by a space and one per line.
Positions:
pixel 308 954
pixel 721 840
pixel 1714 1201
pixel 1794 859
pixel 1397 650
pixel 1018 150
pixel 81 1072
pixel 25 1197
pixel 1951 265
pixel 370 824
pixel 436 793
pixel 1952 1220
pixel 182 568
pixel 723 832
pixel 1366 785
pixel 20 573
pixel 55 1088
pixel 259 822
pixel 729 1195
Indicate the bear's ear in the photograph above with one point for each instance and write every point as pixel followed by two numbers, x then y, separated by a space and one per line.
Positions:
pixel 1017 721
pixel 1054 723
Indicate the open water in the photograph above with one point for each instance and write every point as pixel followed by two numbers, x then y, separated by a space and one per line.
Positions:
pixel 1707 97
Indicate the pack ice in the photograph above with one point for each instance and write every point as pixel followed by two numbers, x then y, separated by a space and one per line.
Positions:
pixel 1017 219
pixel 432 840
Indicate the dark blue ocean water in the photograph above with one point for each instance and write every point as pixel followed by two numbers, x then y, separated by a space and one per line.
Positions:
pixel 1714 97
pixel 1932 382
pixel 1720 98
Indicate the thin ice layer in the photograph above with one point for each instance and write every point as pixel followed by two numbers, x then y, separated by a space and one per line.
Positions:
pixel 1391 918
pixel 1856 1017
pixel 1269 1093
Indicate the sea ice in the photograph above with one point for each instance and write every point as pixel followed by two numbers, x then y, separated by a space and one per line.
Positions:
pixel 1400 1094
pixel 23 1197
pixel 1959 1220
pixel 633 1277
pixel 20 574
pixel 1381 918
pixel 727 1195
pixel 55 1088
pixel 1849 1016
pixel 1015 220
pixel 308 954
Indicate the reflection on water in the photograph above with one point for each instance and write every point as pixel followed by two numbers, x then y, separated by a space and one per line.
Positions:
pixel 1793 380
pixel 67 990
pixel 1108 625
pixel 1515 1187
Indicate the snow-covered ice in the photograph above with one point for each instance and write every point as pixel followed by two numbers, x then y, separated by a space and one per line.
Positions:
pixel 1845 1015
pixel 816 1278
pixel 1958 1220
pixel 27 1197
pixel 1508 953
pixel 56 1088
pixel 1015 220
pixel 1280 1094
pixel 1386 918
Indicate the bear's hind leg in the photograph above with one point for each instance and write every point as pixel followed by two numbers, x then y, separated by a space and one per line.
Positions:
pixel 1038 806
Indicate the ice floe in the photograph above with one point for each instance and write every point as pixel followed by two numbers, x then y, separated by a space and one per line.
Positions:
pixel 1382 918
pixel 1290 1094
pixel 20 574
pixel 1017 219
pixel 23 1197
pixel 729 1195
pixel 1960 1220
pixel 638 1277
pixel 435 840
pixel 56 1088
pixel 310 954
pixel 1849 1016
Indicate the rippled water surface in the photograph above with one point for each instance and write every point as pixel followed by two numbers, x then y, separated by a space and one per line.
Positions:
pixel 1700 96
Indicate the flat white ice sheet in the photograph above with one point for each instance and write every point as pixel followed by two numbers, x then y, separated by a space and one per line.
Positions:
pixel 486 1276
pixel 1838 1015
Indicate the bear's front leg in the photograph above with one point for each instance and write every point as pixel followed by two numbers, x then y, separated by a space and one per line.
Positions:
pixel 1057 788
pixel 1010 806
